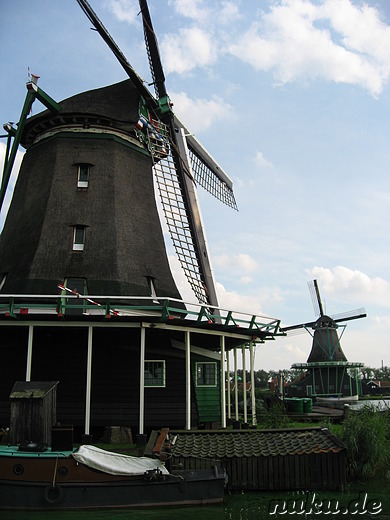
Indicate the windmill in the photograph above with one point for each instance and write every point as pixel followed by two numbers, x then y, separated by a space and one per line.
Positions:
pixel 327 364
pixel 179 162
pixel 83 228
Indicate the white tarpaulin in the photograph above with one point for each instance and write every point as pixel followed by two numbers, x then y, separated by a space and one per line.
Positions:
pixel 115 463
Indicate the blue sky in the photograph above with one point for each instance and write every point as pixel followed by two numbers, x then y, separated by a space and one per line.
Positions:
pixel 291 97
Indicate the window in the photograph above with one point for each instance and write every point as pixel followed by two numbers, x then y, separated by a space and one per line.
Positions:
pixel 309 390
pixel 3 278
pixel 152 288
pixel 206 374
pixel 155 373
pixel 78 238
pixel 83 175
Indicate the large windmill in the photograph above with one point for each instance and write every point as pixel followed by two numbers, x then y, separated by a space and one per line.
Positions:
pixel 328 373
pixel 87 296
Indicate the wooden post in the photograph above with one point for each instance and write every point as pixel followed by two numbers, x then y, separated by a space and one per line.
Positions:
pixel 142 383
pixel 29 352
pixel 188 379
pixel 223 386
pixel 253 397
pixel 244 384
pixel 88 383
pixel 228 383
pixel 235 385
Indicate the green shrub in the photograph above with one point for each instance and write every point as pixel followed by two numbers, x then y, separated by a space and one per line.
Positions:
pixel 365 434
pixel 276 416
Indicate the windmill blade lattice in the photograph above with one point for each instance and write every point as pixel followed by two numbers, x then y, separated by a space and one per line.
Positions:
pixel 175 213
pixel 209 181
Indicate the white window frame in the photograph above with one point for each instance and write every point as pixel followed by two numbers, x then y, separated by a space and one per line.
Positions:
pixel 78 246
pixel 82 183
pixel 3 278
pixel 197 364
pixel 152 288
pixel 161 385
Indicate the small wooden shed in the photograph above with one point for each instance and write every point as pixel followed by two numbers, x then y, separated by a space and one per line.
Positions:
pixel 33 411
pixel 308 458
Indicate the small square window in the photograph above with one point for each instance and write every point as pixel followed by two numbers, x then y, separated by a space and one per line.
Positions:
pixel 78 238
pixel 154 373
pixel 206 374
pixel 82 175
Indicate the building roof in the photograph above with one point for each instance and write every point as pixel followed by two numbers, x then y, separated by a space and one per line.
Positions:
pixel 255 443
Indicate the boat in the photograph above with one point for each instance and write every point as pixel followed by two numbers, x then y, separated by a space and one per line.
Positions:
pixel 331 400
pixel 34 477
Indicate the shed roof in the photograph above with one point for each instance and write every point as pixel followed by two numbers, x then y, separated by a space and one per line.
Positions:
pixel 32 389
pixel 255 443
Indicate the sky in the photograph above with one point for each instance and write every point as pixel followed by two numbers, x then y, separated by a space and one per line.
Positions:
pixel 291 97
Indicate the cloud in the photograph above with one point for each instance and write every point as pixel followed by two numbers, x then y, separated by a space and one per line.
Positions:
pixel 197 10
pixel 334 40
pixel 199 114
pixel 193 9
pixel 123 10
pixel 242 262
pixel 11 183
pixel 262 161
pixel 188 49
pixel 353 285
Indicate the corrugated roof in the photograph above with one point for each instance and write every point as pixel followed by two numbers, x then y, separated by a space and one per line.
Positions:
pixel 255 443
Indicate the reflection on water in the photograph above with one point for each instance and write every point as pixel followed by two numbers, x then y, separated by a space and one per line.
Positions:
pixel 378 404
pixel 251 506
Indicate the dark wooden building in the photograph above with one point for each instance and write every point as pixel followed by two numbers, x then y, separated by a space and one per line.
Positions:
pixel 288 459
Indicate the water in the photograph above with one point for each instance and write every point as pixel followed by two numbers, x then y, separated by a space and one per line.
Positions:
pixel 251 506
pixel 378 404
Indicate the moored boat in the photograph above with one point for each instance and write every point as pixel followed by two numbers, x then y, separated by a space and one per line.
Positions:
pixel 38 478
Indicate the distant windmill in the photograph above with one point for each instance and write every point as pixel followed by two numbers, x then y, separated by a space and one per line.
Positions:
pixel 327 363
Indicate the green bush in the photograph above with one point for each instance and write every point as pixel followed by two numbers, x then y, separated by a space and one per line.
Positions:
pixel 365 433
pixel 276 416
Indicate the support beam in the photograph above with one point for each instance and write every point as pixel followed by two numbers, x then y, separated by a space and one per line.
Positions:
pixel 228 384
pixel 253 396
pixel 235 385
pixel 88 383
pixel 223 385
pixel 29 352
pixel 244 384
pixel 142 383
pixel 188 379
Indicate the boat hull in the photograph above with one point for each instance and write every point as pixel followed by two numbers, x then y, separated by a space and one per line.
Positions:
pixel 46 481
pixel 125 494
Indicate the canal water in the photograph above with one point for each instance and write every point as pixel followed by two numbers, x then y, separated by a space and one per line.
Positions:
pixel 364 500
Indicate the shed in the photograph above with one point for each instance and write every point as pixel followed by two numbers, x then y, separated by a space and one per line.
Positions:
pixel 310 458
pixel 33 411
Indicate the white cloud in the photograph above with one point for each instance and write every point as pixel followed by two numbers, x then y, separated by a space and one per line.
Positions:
pixel 124 10
pixel 193 9
pixel 352 285
pixel 199 114
pixel 11 183
pixel 188 49
pixel 335 40
pixel 242 262
pixel 262 161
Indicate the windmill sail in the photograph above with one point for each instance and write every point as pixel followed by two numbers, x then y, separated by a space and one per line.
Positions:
pixel 180 162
